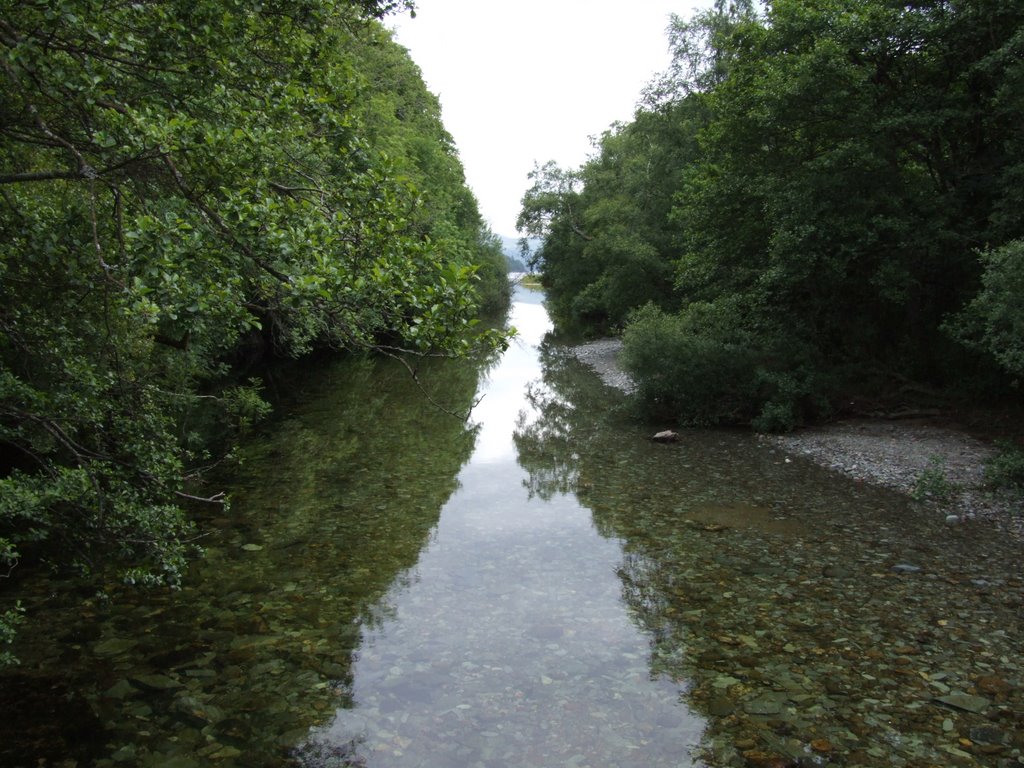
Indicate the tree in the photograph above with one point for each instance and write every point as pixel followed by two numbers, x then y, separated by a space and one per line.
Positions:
pixel 184 185
pixel 607 249
pixel 819 181
pixel 993 322
pixel 843 185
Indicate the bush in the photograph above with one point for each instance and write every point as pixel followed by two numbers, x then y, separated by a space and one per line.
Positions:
pixel 1006 468
pixel 702 367
pixel 994 321
pixel 790 395
pixel 933 483
pixel 693 367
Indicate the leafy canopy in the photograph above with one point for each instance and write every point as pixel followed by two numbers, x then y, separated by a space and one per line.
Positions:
pixel 819 179
pixel 184 186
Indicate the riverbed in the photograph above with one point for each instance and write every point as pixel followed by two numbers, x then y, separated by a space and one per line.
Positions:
pixel 543 586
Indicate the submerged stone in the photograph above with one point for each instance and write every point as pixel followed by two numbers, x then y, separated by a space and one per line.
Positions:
pixel 987 734
pixel 906 568
pixel 965 702
pixel 765 704
pixel 721 707
pixel 125 754
pixel 114 646
pixel 119 690
pixel 154 682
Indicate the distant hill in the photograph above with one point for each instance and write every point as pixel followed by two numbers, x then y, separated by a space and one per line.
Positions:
pixel 513 254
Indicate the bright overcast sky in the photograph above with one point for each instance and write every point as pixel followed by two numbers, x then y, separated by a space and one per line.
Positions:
pixel 525 81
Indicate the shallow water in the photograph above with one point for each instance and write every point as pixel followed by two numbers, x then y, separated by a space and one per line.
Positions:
pixel 549 588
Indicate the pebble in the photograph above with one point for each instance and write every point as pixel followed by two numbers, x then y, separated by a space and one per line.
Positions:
pixel 906 568
pixel 965 701
pixel 603 356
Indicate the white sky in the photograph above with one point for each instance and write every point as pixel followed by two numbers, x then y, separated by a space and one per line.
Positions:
pixel 525 81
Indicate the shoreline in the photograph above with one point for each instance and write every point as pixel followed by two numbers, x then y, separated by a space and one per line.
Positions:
pixel 939 465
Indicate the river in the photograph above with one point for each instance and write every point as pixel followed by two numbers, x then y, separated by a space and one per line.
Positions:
pixel 543 587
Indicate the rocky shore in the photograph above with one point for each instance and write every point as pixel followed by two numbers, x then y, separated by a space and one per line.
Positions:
pixel 603 356
pixel 939 465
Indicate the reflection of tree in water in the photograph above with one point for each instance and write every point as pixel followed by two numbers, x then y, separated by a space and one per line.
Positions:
pixel 544 445
pixel 552 434
pixel 332 507
pixel 569 444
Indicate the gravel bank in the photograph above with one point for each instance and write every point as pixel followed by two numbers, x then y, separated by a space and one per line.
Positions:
pixel 603 356
pixel 943 466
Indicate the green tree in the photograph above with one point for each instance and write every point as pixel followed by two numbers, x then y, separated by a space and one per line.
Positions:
pixel 606 247
pixel 994 320
pixel 819 181
pixel 184 185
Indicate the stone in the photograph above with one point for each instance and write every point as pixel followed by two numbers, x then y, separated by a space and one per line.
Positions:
pixel 721 707
pixel 725 681
pixel 114 646
pixel 666 436
pixel 836 572
pixel 758 759
pixel 154 682
pixel 765 704
pixel 987 734
pixel 196 712
pixel 906 568
pixel 122 689
pixel 125 754
pixel 965 702
pixel 226 753
pixel 994 686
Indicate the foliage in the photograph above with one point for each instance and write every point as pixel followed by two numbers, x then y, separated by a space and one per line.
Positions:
pixel 818 179
pixel 1006 468
pixel 692 366
pixel 9 621
pixel 933 484
pixel 994 320
pixel 603 254
pixel 11 618
pixel 185 186
pixel 244 404
pixel 702 367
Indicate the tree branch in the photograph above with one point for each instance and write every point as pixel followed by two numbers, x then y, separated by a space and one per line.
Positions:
pixel 17 178
pixel 217 498
pixel 415 377
pixel 218 222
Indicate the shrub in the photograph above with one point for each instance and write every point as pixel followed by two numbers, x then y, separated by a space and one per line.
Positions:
pixel 994 321
pixel 693 367
pixel 933 483
pixel 1006 468
pixel 790 394
pixel 702 367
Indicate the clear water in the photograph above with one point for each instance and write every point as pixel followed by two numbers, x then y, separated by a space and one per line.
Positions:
pixel 509 643
pixel 548 587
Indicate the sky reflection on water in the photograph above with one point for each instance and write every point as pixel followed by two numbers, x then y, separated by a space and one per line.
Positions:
pixel 510 643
